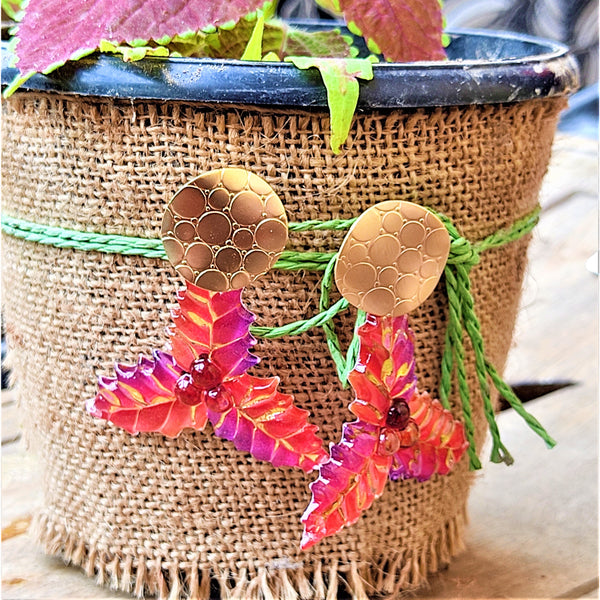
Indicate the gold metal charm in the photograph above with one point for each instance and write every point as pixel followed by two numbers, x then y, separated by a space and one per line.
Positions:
pixel 224 229
pixel 392 258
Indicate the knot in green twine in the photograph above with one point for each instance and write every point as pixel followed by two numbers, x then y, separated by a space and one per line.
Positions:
pixel 462 252
pixel 461 317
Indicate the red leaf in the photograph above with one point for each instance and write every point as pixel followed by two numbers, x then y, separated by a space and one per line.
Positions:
pixel 213 323
pixel 348 483
pixel 440 444
pixel 140 398
pixel 402 30
pixel 263 421
pixel 51 34
pixel 385 368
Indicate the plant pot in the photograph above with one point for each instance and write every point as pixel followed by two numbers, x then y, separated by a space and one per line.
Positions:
pixel 102 147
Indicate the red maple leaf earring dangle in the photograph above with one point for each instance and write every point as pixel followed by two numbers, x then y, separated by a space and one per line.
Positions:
pixel 389 263
pixel 221 231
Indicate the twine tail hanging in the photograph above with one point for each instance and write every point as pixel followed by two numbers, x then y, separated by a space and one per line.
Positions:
pixel 462 317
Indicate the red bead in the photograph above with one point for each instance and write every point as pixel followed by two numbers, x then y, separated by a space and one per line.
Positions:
pixel 399 414
pixel 389 442
pixel 205 373
pixel 187 392
pixel 218 399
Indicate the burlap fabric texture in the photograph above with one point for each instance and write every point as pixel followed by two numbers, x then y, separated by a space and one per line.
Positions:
pixel 169 516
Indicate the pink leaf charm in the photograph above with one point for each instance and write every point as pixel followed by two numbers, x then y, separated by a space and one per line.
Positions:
pixel 385 368
pixel 399 433
pixel 347 484
pixel 441 442
pixel 140 398
pixel 213 323
pixel 205 378
pixel 261 420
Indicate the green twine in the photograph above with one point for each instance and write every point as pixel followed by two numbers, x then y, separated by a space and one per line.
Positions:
pixel 298 327
pixel 462 317
pixel 314 225
pixel 343 364
pixel 461 313
pixel 149 248
pixel 333 341
pixel 454 337
pixel 83 240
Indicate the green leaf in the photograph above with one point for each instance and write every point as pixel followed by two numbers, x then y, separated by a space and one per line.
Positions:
pixel 318 43
pixel 340 77
pixel 331 6
pixel 253 49
pixel 13 8
pixel 270 57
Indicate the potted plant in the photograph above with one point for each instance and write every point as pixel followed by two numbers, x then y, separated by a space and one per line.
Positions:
pixel 98 151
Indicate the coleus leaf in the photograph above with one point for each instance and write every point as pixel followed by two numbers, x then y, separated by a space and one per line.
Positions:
pixel 263 421
pixel 325 44
pixel 140 398
pixel 441 442
pixel 51 34
pixel 348 483
pixel 228 42
pixel 340 76
pixel 213 323
pixel 401 30
pixel 278 40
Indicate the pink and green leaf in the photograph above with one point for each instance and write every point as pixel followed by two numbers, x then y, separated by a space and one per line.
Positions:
pixel 134 53
pixel 401 30
pixel 348 483
pixel 265 422
pixel 49 34
pixel 440 445
pixel 277 39
pixel 213 323
pixel 140 398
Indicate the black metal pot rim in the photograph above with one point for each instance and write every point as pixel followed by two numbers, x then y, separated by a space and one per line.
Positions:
pixel 509 68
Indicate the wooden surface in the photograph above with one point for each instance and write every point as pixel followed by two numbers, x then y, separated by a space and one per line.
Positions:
pixel 533 526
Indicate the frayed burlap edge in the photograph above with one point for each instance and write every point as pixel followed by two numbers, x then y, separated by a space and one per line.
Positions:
pixel 385 578
pixel 388 574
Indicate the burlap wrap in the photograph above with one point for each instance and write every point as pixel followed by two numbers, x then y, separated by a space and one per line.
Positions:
pixel 161 516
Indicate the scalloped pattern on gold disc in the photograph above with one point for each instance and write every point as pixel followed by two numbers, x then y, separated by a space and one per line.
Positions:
pixel 392 258
pixel 224 229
